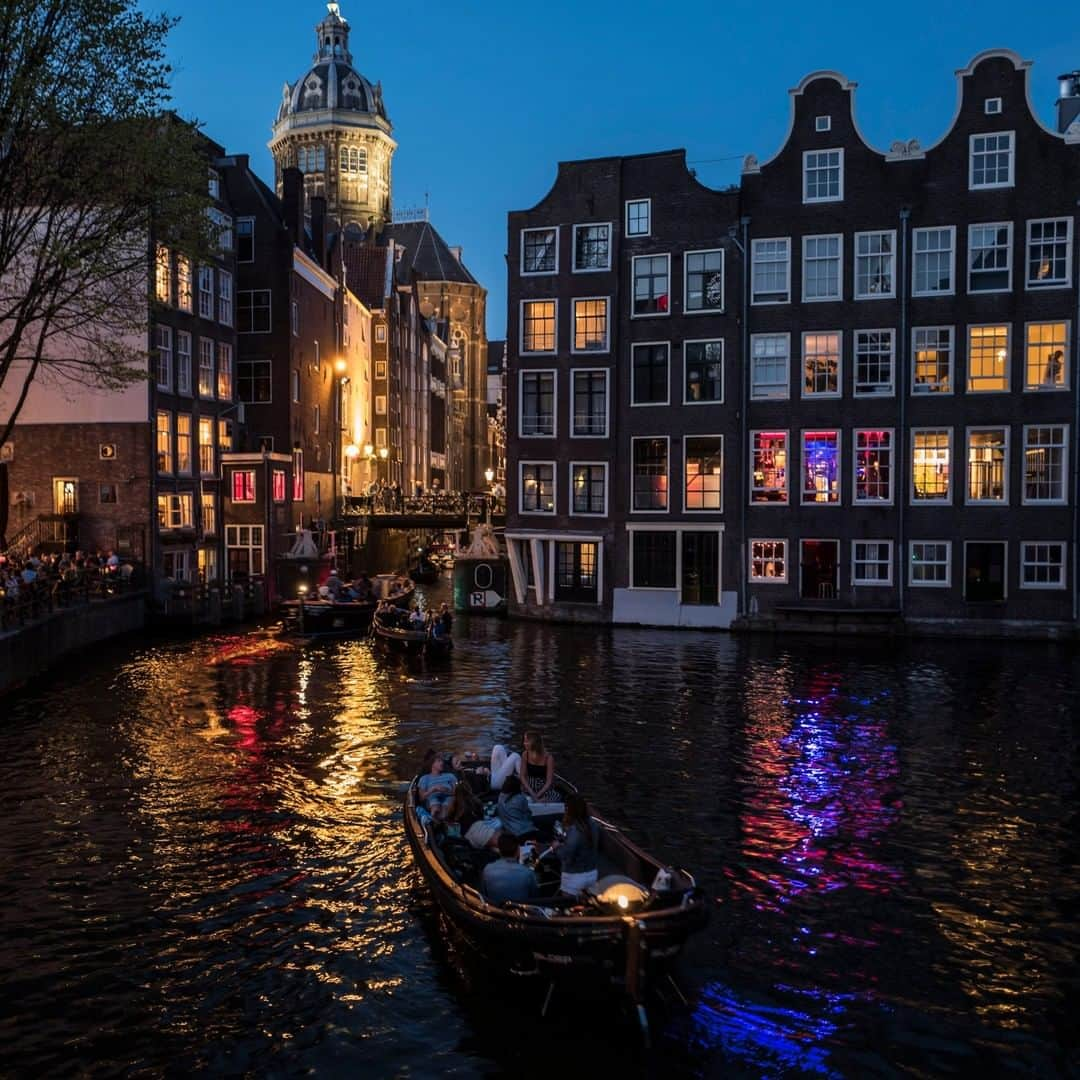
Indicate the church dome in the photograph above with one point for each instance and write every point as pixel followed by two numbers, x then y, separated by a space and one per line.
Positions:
pixel 332 82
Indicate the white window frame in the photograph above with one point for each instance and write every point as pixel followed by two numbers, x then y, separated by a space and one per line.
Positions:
pixel 891 234
pixel 952 363
pixel 521 261
pixel 723 371
pixel 237 228
pixel 667 396
pixel 678 529
pixel 380 405
pixel 607 402
pixel 757 580
pixel 872 583
pixel 839 391
pixel 633 277
pixel 803 500
pixel 573 250
pixel 626 217
pixel 630 505
pixel 891 391
pixel 164 353
pixel 207 297
pixel 787 369
pixel 554 489
pixel 1048 586
pixel 571 512
pixel 785 502
pixel 948 499
pixel 553 372
pixel 1008 226
pixel 687 310
pixel 951 290
pixel 807 199
pixel 573 326
pixel 1004 500
pixel 786 241
pixel 992 106
pixel 182 386
pixel 1067 476
pixel 1011 182
pixel 823 123
pixel 522 351
pixel 1042 388
pixel 686 509
pixel 1034 286
pixel 893 458
pixel 840 269
pixel 947 583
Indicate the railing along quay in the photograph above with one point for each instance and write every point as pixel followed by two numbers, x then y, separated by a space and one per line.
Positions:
pixel 36 599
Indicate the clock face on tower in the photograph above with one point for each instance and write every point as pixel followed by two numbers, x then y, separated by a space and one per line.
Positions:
pixel 714 289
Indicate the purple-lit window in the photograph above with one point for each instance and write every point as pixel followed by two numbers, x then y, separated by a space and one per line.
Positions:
pixel 821 467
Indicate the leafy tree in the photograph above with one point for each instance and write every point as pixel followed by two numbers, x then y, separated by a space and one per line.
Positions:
pixel 92 168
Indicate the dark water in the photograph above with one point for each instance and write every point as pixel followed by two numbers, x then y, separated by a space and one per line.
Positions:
pixel 202 867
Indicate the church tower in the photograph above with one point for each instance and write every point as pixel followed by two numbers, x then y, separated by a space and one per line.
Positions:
pixel 332 126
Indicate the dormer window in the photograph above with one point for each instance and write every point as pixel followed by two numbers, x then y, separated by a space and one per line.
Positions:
pixel 313 93
pixel 822 123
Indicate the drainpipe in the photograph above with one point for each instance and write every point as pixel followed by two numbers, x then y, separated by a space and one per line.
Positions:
pixel 902 383
pixel 741 457
pixel 1076 460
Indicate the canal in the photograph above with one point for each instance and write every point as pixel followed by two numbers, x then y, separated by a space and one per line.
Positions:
pixel 203 867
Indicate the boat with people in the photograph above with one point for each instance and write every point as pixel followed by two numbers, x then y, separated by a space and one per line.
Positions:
pixel 400 629
pixel 622 933
pixel 345 609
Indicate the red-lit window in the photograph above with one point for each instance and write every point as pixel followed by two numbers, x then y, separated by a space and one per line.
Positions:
pixel 279 485
pixel 243 485
pixel 298 476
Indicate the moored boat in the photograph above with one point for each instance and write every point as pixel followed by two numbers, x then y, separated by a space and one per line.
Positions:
pixel 624 934
pixel 323 615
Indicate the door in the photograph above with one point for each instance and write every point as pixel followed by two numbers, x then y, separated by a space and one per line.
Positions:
pixel 701 568
pixel 575 572
pixel 984 572
pixel 820 564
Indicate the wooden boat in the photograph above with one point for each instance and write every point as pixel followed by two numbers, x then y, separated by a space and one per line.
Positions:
pixel 393 629
pixel 425 572
pixel 625 934
pixel 321 615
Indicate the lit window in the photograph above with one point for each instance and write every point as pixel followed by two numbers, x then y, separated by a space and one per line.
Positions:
pixel 279 485
pixel 206 445
pixel 1049 253
pixel 990 258
pixel 770 365
pixel 988 359
pixel 183 443
pixel 875 253
pixel 931 360
pixel 537 487
pixel 871 562
pixel 703 369
pixel 176 511
pixel 988 465
pixel 1045 463
pixel 650 472
pixel 591 325
pixel 380 404
pixel 768 561
pixel 539 251
pixel 1042 565
pixel 649 365
pixel 1046 355
pixel 931 465
pixel 243 485
pixel 931 562
pixel 576 571
pixel 164 442
pixel 822 270
pixel 537 326
pixel 771 274
pixel 935 261
pixel 821 467
pixel 992 160
pixel 873 466
pixel 588 486
pixel 209 513
pixel 206 367
pixel 537 403
pixel 704 472
pixel 638 214
pixel 592 247
pixel 823 175
pixel 298 468
pixel 163 275
pixel 704 276
pixel 873 362
pixel 768 467
pixel 821 364
pixel 224 371
pixel 164 357
pixel 651 273
pixel 183 283
pixel 590 403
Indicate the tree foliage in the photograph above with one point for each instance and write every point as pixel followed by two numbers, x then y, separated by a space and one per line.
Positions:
pixel 92 168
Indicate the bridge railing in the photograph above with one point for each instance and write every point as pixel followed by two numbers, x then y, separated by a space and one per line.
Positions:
pixel 464 505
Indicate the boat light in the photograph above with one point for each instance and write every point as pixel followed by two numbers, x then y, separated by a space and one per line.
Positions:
pixel 621 893
pixel 302 589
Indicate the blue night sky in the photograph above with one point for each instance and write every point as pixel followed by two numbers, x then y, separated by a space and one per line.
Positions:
pixel 486 98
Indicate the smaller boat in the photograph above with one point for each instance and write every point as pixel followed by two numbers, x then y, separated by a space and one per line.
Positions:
pixel 393 628
pixel 322 615
pixel 424 571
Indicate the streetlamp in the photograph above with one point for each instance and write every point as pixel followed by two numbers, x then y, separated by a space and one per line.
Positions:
pixel 384 453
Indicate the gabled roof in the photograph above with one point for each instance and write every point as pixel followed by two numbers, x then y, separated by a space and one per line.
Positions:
pixel 427 254
pixel 365 272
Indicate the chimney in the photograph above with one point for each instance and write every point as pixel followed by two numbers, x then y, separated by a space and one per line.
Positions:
pixel 457 252
pixel 1068 102
pixel 292 198
pixel 318 229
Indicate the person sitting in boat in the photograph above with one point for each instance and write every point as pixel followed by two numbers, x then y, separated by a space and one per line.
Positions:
pixel 445 618
pixel 463 811
pixel 436 789
pixel 362 587
pixel 416 618
pixel 513 810
pixel 578 851
pixel 506 878
pixel 335 586
pixel 504 763
pixel 537 770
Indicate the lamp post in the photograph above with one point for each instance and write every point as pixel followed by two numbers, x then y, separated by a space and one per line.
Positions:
pixel 384 453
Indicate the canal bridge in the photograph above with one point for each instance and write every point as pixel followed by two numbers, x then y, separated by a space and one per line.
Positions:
pixel 436 512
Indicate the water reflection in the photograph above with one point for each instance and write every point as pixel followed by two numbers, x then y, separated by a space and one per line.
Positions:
pixel 210 875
